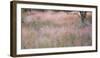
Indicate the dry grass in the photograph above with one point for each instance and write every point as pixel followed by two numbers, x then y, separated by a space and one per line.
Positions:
pixel 54 29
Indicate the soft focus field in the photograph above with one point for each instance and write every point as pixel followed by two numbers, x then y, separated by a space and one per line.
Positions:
pixel 50 28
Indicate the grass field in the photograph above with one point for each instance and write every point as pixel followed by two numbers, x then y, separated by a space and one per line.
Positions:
pixel 51 28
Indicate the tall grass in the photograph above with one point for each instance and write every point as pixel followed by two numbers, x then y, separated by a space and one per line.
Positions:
pixel 50 32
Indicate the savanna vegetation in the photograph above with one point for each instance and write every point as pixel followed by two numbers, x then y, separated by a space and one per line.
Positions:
pixel 51 28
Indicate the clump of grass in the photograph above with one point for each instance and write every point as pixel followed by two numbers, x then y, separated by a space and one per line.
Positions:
pixel 38 24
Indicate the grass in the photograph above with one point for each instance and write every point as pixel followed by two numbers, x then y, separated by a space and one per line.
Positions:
pixel 50 34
